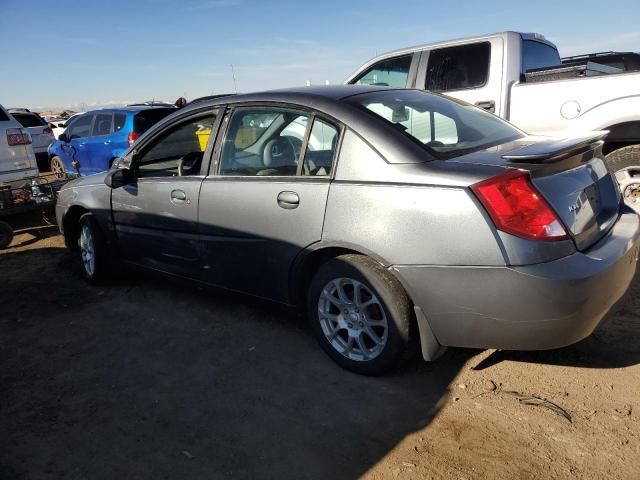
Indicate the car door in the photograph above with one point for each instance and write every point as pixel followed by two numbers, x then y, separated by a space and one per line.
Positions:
pixel 156 211
pixel 98 145
pixel 78 132
pixel 265 201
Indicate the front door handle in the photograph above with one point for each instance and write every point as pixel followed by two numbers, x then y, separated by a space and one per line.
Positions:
pixel 488 105
pixel 178 196
pixel 288 200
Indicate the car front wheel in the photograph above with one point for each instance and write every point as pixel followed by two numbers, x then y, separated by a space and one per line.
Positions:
pixel 92 250
pixel 57 167
pixel 360 314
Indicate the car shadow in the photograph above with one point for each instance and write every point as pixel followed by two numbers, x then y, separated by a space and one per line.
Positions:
pixel 151 378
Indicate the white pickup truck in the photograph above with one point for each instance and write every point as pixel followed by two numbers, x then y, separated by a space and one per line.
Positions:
pixel 521 78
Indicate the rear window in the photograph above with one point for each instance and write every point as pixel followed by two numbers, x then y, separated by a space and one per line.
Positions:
pixel 458 68
pixel 147 118
pixel 3 116
pixel 446 128
pixel 538 55
pixel 29 119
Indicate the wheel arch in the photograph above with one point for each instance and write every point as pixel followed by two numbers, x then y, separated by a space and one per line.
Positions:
pixel 308 263
pixel 70 225
pixel 622 135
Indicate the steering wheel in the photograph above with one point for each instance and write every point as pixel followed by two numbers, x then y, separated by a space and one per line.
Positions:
pixel 278 152
pixel 190 163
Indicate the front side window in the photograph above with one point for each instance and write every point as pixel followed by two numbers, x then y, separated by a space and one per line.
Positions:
pixel 102 124
pixel 178 152
pixel 459 67
pixel 392 72
pixel 446 128
pixel 81 127
pixel 264 142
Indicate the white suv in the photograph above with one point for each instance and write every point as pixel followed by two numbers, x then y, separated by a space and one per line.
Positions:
pixel 17 160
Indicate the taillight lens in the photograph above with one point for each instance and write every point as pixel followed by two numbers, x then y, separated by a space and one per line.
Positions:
pixel 133 136
pixel 516 207
pixel 16 136
pixel 47 130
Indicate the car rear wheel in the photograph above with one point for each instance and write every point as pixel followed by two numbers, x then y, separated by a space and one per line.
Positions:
pixel 625 164
pixel 57 167
pixel 92 250
pixel 360 314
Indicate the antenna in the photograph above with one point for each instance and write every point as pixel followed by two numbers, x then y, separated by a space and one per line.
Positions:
pixel 233 74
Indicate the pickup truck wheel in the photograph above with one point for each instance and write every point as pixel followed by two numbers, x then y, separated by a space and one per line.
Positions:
pixel 57 167
pixel 625 163
pixel 360 314
pixel 92 250
pixel 6 234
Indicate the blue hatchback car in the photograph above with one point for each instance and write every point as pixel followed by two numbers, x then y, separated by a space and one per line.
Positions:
pixel 91 141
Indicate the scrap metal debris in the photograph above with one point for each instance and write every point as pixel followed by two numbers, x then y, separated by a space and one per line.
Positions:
pixel 527 399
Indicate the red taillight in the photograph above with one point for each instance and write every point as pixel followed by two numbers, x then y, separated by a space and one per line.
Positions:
pixel 15 136
pixel 47 130
pixel 133 136
pixel 516 207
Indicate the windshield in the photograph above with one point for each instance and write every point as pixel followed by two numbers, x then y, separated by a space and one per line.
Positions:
pixel 445 127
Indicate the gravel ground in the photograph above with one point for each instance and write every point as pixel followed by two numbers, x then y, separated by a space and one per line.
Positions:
pixel 152 379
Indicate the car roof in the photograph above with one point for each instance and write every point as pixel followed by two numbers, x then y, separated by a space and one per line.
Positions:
pixel 132 108
pixel 326 96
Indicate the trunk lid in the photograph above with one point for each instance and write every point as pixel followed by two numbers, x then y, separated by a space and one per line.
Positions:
pixel 570 173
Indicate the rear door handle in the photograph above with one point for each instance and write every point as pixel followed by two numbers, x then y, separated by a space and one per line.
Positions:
pixel 488 105
pixel 178 196
pixel 288 200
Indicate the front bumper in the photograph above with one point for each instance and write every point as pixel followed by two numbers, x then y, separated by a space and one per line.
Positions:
pixel 535 307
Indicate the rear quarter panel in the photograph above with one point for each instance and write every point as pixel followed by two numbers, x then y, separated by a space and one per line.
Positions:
pixel 406 218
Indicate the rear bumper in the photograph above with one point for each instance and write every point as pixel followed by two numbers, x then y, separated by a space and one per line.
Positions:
pixel 536 307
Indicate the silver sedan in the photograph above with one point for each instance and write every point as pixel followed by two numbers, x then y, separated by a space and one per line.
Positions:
pixel 392 216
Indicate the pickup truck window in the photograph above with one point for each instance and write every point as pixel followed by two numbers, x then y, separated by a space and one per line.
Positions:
pixel 458 68
pixel 392 72
pixel 445 128
pixel 538 55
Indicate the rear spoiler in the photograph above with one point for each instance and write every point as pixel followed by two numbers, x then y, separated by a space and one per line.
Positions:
pixel 554 147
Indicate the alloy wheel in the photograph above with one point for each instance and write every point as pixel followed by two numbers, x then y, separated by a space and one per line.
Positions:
pixel 353 319
pixel 87 250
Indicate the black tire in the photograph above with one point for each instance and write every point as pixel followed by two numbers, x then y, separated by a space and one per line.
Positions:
pixel 391 297
pixel 6 235
pixel 624 157
pixel 57 167
pixel 101 270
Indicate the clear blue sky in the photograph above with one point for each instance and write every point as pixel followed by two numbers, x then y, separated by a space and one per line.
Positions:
pixel 59 53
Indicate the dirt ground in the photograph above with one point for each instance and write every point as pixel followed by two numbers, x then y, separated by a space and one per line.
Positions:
pixel 151 379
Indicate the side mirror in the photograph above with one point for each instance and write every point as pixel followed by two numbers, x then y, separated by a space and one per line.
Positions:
pixel 63 138
pixel 117 177
pixel 121 162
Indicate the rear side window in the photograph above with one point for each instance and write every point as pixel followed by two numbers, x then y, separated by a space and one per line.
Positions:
pixel 321 148
pixel 29 120
pixel 119 120
pixel 538 55
pixel 458 68
pixel 392 72
pixel 102 125
pixel 147 118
